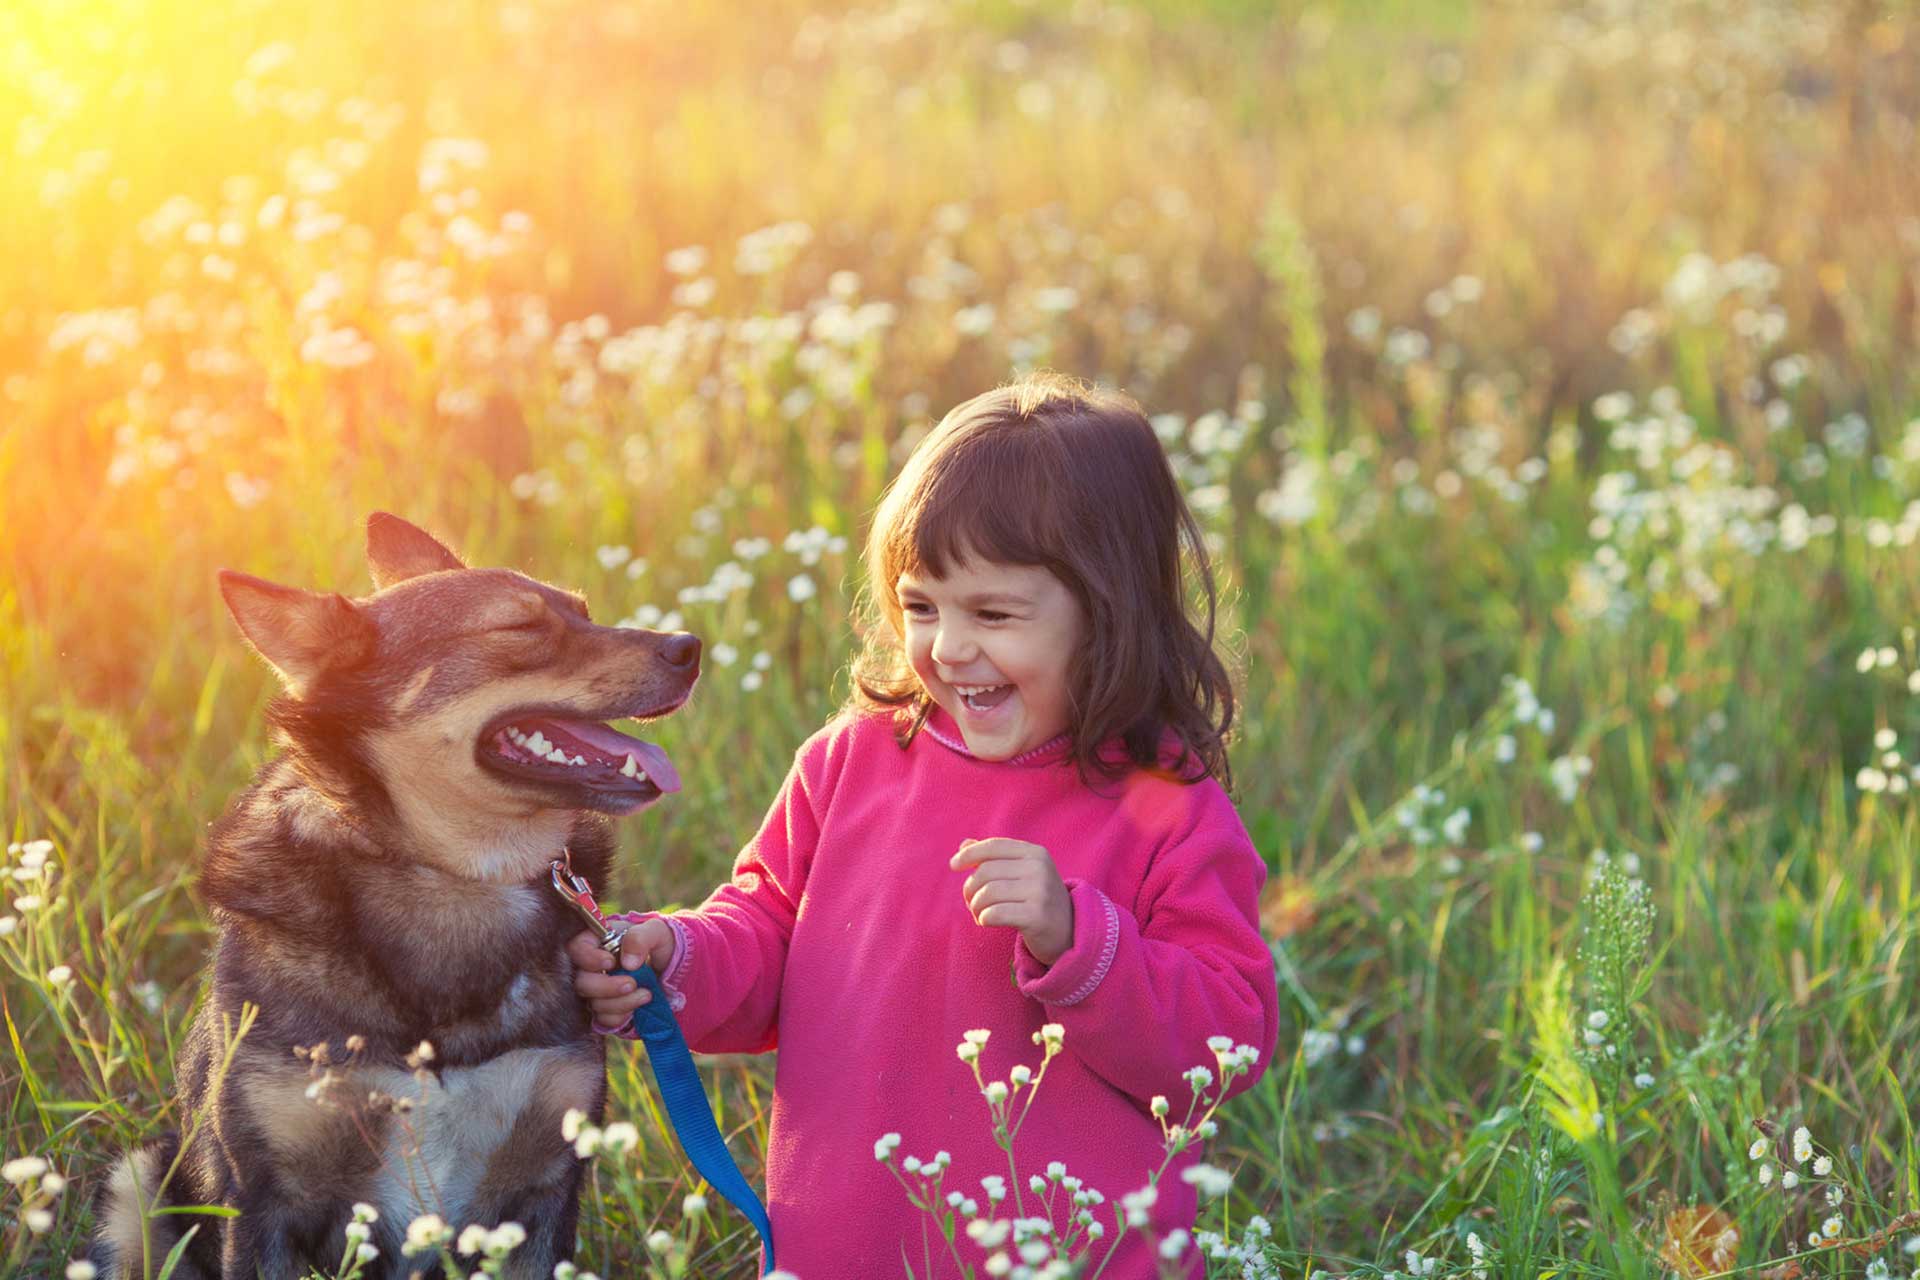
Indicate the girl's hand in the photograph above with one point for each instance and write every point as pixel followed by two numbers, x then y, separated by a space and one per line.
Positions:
pixel 613 998
pixel 1015 885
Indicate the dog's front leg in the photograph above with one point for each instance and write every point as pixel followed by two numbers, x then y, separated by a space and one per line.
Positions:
pixel 533 1177
pixel 274 1239
pixel 550 1214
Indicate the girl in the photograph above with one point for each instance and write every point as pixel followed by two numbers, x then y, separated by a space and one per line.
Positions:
pixel 1020 819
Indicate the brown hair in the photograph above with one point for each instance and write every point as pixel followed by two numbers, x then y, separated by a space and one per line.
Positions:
pixel 1052 472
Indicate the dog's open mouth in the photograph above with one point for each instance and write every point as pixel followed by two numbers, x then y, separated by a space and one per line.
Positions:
pixel 622 771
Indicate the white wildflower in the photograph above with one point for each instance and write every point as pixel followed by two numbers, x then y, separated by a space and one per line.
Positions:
pixel 428 1231
pixel 1209 1180
pixel 23 1170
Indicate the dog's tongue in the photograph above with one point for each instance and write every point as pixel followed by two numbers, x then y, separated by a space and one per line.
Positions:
pixel 659 769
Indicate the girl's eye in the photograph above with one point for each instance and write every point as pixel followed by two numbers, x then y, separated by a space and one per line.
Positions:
pixel 990 615
pixel 917 609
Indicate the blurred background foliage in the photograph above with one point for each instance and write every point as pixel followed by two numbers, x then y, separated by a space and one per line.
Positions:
pixel 1519 357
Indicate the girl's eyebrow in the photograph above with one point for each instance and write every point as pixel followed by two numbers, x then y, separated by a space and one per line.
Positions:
pixel 985 599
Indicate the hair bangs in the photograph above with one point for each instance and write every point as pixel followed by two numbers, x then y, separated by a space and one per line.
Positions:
pixel 987 500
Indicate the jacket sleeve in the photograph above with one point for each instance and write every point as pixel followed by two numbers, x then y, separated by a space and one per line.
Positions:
pixel 1141 995
pixel 731 951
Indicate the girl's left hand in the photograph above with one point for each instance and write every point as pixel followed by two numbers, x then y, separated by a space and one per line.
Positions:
pixel 1015 885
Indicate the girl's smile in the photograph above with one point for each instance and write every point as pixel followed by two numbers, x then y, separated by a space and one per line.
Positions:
pixel 993 645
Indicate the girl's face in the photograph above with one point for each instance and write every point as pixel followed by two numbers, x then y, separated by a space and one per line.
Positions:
pixel 992 644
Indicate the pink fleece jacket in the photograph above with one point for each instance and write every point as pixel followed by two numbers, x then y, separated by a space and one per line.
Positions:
pixel 843 941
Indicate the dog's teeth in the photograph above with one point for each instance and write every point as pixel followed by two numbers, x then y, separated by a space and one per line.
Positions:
pixel 579 760
pixel 556 755
pixel 538 744
pixel 628 768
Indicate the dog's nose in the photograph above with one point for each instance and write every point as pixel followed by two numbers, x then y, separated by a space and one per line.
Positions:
pixel 682 649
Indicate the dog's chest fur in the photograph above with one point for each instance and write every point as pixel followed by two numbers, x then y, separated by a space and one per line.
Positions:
pixel 413 1142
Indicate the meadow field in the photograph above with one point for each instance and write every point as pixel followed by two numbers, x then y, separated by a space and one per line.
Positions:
pixel 1543 373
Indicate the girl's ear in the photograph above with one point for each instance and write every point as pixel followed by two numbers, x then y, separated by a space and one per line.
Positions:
pixel 397 551
pixel 300 633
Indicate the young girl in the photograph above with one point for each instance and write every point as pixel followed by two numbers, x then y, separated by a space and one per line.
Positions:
pixel 1020 819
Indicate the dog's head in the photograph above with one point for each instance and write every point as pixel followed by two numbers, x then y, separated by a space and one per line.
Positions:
pixel 476 699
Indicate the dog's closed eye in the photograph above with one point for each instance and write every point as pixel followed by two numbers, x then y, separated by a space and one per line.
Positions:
pixel 537 622
pixel 527 614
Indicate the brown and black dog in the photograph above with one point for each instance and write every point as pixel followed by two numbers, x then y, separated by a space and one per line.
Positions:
pixel 383 899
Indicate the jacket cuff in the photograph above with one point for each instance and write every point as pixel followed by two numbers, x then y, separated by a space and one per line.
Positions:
pixel 1080 969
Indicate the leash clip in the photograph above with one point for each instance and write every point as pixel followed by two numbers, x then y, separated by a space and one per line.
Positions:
pixel 578 894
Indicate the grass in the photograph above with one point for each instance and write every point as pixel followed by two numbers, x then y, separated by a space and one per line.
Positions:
pixel 1414 291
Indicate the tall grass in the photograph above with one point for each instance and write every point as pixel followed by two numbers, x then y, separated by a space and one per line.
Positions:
pixel 1543 374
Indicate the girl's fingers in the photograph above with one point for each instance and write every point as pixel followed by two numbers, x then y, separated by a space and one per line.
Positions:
pixel 612 1020
pixel 650 943
pixel 996 891
pixel 1006 915
pixel 995 873
pixel 585 951
pixel 617 1009
pixel 602 986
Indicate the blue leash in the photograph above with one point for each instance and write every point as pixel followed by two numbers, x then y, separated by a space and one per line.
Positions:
pixel 673 1070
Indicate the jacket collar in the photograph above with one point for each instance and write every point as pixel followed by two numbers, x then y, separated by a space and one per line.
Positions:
pixel 941 728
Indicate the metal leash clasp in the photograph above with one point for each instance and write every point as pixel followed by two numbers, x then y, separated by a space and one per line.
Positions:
pixel 578 894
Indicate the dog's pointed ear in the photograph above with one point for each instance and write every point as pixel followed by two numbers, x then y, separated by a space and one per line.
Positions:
pixel 300 633
pixel 397 551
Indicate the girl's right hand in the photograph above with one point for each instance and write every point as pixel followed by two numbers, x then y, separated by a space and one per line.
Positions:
pixel 614 998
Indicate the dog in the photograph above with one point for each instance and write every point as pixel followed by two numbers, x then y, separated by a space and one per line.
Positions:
pixel 383 899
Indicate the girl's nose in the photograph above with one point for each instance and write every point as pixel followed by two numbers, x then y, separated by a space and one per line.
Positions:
pixel 951 648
